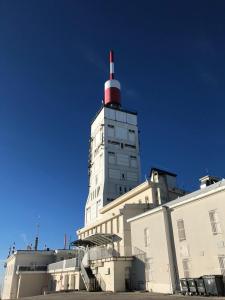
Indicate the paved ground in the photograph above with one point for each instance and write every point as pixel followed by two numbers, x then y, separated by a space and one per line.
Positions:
pixel 115 296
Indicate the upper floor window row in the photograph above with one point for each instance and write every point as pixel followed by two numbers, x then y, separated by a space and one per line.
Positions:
pixel 121 133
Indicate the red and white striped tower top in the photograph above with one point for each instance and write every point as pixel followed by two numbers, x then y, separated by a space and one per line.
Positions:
pixel 112 86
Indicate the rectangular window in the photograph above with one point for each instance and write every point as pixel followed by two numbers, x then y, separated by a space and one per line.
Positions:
pixel 111 131
pixel 147 237
pixel 130 146
pixel 121 133
pixel 113 142
pixel 133 162
pixel 222 264
pixel 186 267
pixel 181 230
pixel 123 160
pixel 132 176
pixel 131 135
pixel 215 223
pixel 114 174
pixel 112 157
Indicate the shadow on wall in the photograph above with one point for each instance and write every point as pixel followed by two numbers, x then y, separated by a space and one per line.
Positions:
pixel 138 271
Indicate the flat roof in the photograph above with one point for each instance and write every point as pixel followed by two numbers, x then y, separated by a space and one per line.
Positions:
pixel 211 189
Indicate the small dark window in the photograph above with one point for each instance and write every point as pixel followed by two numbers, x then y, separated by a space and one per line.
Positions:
pixel 121 145
pixel 123 176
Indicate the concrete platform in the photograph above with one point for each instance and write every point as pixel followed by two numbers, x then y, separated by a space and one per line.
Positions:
pixel 113 296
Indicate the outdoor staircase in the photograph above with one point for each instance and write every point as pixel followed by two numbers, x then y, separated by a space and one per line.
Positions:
pixel 90 281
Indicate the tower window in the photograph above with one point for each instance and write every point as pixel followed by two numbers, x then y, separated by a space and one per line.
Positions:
pixel 133 162
pixel 111 131
pixel 123 176
pixel 113 143
pixel 112 157
pixel 130 146
pixel 131 135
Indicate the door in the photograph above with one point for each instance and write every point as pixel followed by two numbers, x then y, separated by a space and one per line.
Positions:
pixel 66 282
pixel 73 282
pixel 128 278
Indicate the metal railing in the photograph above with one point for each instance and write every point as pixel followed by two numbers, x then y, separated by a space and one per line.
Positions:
pixel 72 263
pixel 86 279
pixel 65 264
pixel 101 252
pixel 56 266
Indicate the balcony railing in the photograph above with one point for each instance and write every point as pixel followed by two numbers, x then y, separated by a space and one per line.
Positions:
pixel 101 252
pixel 64 264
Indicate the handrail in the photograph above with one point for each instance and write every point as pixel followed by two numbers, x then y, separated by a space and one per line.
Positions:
pixel 100 252
pixel 85 276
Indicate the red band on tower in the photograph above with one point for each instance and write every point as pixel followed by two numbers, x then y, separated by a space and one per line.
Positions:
pixel 112 86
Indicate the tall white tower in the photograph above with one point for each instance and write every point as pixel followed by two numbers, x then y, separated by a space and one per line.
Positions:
pixel 114 157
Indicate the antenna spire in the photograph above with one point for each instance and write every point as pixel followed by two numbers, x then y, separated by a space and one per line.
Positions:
pixel 111 63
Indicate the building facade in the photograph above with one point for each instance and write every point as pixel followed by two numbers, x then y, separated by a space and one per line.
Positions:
pixel 110 244
pixel 27 273
pixel 181 239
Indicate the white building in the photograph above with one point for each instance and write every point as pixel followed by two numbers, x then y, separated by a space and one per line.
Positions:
pixel 137 236
pixel 184 238
pixel 109 237
pixel 26 272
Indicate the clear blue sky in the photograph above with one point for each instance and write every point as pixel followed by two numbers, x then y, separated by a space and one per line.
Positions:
pixel 170 60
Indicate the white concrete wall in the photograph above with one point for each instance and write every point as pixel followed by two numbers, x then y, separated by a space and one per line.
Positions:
pixel 193 253
pixel 66 280
pixel 112 155
pixel 154 251
pixel 111 273
pixel 10 280
pixel 32 284
pixel 201 247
